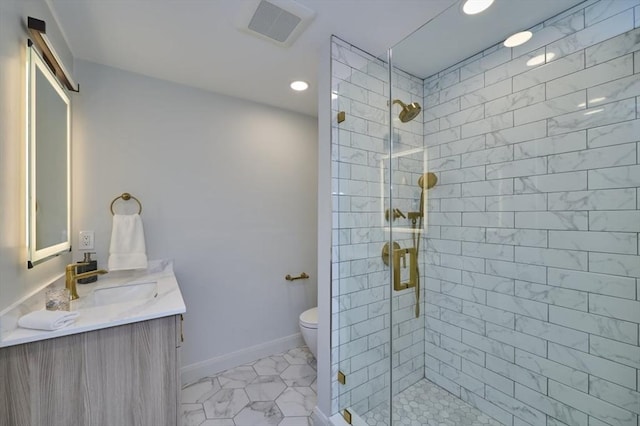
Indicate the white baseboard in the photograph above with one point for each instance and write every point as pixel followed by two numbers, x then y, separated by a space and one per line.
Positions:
pixel 319 418
pixel 212 366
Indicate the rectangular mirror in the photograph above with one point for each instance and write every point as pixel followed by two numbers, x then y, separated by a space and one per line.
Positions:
pixel 48 155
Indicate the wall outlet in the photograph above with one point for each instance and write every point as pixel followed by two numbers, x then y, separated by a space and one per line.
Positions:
pixel 86 240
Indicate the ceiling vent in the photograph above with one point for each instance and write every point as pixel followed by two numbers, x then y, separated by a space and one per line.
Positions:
pixel 279 21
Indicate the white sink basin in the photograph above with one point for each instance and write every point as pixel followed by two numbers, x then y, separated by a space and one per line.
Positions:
pixel 130 292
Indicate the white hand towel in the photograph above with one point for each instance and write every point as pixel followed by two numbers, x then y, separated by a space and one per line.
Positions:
pixel 128 250
pixel 47 320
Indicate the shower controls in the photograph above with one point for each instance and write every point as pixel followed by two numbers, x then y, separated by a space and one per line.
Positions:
pixel 396 214
pixel 385 252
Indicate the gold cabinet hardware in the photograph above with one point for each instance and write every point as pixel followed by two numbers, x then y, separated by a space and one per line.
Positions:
pixel 400 260
pixel 342 379
pixel 302 276
pixel 347 416
pixel 341 116
pixel 181 328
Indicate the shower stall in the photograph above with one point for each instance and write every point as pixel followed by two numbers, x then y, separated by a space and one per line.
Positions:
pixel 485 222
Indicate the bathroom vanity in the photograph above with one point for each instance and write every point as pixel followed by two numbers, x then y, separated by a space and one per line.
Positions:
pixel 117 365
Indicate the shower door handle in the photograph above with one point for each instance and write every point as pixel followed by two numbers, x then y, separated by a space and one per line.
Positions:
pixel 413 259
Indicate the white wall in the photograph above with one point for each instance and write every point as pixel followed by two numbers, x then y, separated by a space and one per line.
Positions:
pixel 229 192
pixel 15 280
pixel 325 374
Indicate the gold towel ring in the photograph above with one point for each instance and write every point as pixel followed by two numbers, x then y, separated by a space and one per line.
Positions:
pixel 126 197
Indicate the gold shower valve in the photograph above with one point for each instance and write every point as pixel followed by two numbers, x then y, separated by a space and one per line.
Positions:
pixel 397 213
pixel 385 252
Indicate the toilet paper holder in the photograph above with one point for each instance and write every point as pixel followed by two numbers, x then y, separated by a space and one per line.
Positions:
pixel 302 276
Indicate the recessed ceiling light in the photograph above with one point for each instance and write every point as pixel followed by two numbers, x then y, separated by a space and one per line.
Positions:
pixel 472 7
pixel 299 85
pixel 518 38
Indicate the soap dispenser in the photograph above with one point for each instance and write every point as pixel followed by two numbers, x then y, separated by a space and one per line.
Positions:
pixel 92 266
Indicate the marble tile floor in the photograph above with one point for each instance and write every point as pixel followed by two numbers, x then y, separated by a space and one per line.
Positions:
pixel 427 404
pixel 276 390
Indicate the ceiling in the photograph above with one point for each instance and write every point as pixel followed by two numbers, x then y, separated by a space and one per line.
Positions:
pixel 198 43
pixel 452 37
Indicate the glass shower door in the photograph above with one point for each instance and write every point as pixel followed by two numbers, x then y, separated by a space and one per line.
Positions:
pixel 408 164
pixel 378 162
pixel 361 305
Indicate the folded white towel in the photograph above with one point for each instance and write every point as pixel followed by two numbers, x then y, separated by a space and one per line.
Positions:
pixel 47 320
pixel 128 250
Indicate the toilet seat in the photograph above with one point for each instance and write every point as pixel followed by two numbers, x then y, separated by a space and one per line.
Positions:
pixel 309 318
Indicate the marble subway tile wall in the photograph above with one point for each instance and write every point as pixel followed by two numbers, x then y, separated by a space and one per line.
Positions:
pixel 361 296
pixel 532 301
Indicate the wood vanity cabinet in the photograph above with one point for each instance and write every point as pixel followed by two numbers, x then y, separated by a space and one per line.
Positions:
pixel 126 375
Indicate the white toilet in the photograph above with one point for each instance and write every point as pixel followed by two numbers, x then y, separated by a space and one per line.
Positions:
pixel 309 329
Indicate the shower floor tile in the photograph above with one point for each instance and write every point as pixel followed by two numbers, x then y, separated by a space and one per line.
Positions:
pixel 277 390
pixel 426 404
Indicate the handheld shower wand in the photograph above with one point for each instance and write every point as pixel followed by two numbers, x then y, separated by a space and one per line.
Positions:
pixel 425 182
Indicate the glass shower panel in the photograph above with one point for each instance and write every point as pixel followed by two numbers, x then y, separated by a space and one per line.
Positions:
pixel 408 165
pixel 508 205
pixel 528 256
pixel 361 156
pixel 404 232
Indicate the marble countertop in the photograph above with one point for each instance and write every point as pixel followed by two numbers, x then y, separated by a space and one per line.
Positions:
pixel 167 302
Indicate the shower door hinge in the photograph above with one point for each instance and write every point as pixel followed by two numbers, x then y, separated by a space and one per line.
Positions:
pixel 342 379
pixel 341 116
pixel 347 416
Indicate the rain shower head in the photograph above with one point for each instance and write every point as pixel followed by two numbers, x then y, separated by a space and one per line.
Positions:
pixel 409 112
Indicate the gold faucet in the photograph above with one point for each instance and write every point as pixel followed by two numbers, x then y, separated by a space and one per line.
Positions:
pixel 72 277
